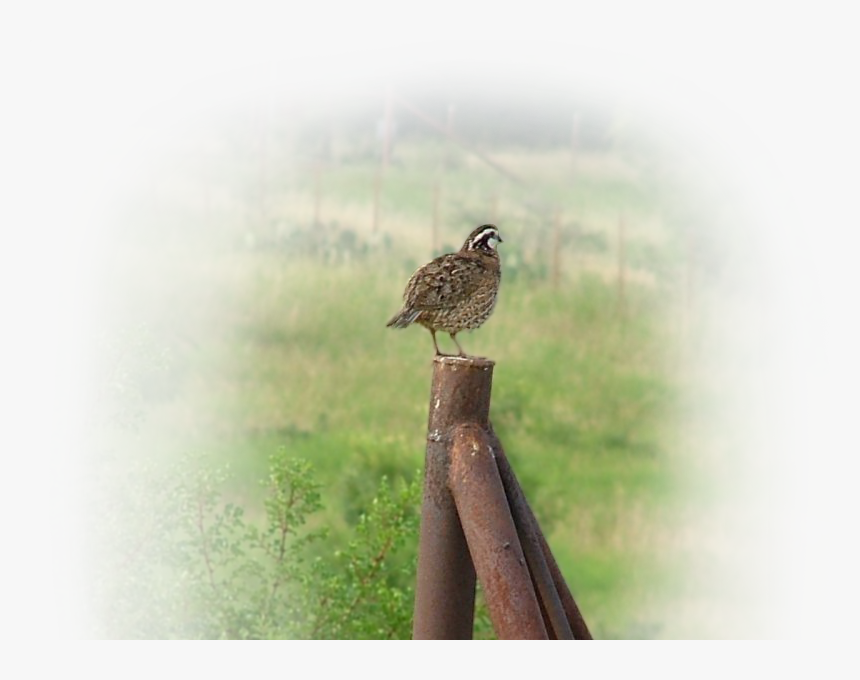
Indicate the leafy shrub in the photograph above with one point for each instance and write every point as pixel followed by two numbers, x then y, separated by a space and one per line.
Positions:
pixel 182 562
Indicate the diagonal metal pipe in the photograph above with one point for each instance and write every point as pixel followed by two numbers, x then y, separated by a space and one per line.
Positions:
pixel 527 531
pixel 555 595
pixel 492 536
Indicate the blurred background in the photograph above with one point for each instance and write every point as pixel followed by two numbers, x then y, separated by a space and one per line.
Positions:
pixel 244 289
pixel 218 229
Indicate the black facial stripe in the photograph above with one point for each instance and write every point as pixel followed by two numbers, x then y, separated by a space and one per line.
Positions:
pixel 482 240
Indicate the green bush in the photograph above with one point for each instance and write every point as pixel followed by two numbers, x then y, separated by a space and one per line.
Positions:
pixel 182 562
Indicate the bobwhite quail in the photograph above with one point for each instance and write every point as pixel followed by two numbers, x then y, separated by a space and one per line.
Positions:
pixel 454 292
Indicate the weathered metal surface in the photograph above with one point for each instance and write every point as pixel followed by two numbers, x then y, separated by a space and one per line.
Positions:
pixel 468 476
pixel 522 512
pixel 492 536
pixel 571 609
pixel 445 583
pixel 528 532
pixel 546 622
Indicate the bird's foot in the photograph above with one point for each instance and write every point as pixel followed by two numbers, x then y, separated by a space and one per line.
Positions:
pixel 442 354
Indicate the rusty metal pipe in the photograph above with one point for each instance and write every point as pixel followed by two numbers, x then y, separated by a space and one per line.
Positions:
pixel 445 583
pixel 492 536
pixel 546 620
pixel 571 609
pixel 527 530
pixel 545 566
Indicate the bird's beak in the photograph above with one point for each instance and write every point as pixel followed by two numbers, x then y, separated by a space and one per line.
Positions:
pixel 499 238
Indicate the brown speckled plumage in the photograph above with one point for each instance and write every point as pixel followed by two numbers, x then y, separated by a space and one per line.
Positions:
pixel 454 292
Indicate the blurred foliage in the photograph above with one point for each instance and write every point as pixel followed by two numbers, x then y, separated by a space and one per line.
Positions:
pixel 186 563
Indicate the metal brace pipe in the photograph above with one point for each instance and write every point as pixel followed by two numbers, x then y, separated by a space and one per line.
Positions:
pixel 492 536
pixel 523 513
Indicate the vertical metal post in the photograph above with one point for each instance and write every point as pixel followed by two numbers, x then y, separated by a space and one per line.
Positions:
pixel 445 585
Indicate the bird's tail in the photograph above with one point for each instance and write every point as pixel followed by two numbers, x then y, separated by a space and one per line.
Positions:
pixel 403 318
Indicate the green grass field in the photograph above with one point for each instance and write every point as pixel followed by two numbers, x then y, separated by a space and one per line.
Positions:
pixel 238 334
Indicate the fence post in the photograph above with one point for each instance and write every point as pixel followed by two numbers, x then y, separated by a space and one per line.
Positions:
pixel 317 193
pixel 475 518
pixel 622 264
pixel 555 271
pixel 434 233
pixel 445 583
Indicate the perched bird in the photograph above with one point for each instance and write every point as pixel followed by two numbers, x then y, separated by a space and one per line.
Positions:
pixel 454 292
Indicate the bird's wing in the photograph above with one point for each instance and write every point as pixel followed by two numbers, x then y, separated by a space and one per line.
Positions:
pixel 438 283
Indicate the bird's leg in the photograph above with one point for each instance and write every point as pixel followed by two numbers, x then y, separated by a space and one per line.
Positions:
pixel 433 334
pixel 454 338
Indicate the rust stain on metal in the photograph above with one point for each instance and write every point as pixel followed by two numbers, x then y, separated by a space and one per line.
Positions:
pixel 476 522
pixel 445 582
pixel 492 536
pixel 556 598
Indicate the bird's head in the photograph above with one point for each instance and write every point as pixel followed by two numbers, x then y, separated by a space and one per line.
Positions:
pixel 483 239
